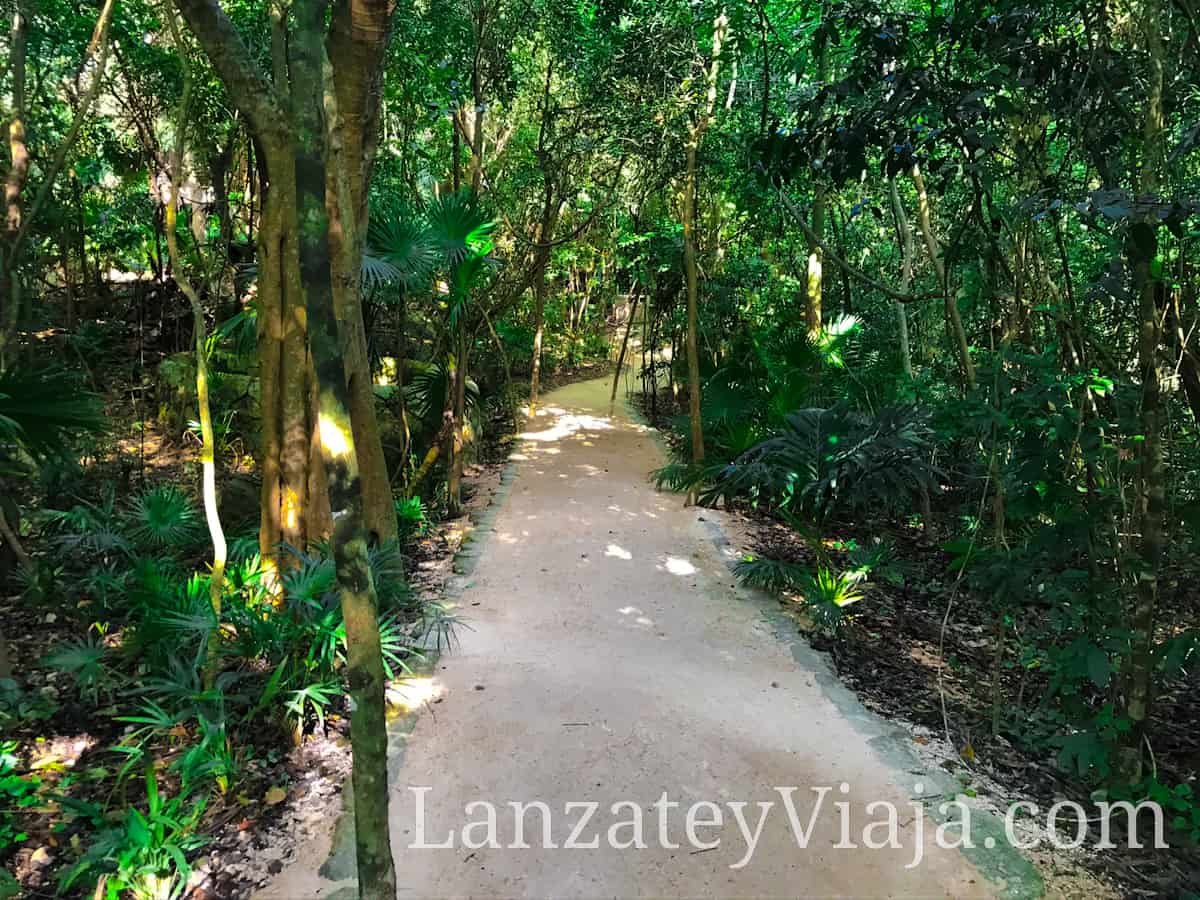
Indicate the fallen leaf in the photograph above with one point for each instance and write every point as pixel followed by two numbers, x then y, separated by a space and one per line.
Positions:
pixel 275 796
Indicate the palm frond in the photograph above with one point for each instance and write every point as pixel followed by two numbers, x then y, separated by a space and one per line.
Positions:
pixel 40 411
pixel 428 389
pixel 402 250
pixel 775 576
pixel 825 458
pixel 163 517
pixel 458 227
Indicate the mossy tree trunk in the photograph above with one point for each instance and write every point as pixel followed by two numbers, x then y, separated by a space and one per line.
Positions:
pixel 318 146
pixel 288 118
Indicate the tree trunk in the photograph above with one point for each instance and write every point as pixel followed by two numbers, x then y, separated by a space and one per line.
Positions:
pixel 690 267
pixel 539 328
pixel 294 379
pixel 551 207
pixel 478 113
pixel 14 185
pixel 814 271
pixel 633 307
pixel 208 446
pixel 358 39
pixel 458 439
pixel 346 256
pixel 814 276
pixel 269 306
pixel 904 240
pixel 285 367
pixel 1151 489
pixel 509 391
pixel 368 724
pixel 693 304
pixel 954 326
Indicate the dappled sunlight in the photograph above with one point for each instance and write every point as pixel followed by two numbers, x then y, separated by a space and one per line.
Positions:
pixel 334 438
pixel 413 693
pixel 60 752
pixel 617 552
pixel 677 566
pixel 566 424
pixel 627 513
pixel 636 616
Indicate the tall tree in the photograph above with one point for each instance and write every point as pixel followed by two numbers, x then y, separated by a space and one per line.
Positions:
pixel 304 139
pixel 1150 501
pixel 703 118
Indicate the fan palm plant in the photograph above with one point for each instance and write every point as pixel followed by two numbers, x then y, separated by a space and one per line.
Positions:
pixel 40 413
pixel 452 237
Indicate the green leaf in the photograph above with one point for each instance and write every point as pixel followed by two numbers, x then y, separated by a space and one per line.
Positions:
pixel 1099 667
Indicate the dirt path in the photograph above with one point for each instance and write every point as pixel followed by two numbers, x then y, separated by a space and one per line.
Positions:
pixel 610 659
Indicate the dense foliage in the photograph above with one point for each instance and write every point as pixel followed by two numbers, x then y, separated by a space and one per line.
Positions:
pixel 885 268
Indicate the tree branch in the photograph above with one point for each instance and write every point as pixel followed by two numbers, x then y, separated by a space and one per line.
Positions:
pixel 248 87
pixel 898 296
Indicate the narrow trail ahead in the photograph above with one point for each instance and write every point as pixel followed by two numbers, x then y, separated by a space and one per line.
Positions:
pixel 610 659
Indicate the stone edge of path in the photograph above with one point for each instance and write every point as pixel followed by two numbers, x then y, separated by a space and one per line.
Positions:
pixel 1013 876
pixel 338 869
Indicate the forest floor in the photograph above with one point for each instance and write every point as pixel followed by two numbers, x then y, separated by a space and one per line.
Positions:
pixel 610 657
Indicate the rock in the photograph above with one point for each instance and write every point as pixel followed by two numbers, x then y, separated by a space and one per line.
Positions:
pixel 275 866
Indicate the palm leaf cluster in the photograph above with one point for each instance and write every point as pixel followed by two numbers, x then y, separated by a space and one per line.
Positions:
pixel 40 413
pixel 822 460
pixel 407 248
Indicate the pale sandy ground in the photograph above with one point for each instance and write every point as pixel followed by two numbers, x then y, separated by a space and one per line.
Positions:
pixel 610 659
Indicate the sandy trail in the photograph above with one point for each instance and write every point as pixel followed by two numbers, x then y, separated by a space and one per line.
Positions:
pixel 612 660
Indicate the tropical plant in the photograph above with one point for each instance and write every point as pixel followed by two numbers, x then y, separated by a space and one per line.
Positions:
pixel 83 661
pixel 17 793
pixel 828 595
pixel 825 595
pixel 410 518
pixel 825 460
pixel 40 411
pixel 142 853
pixel 163 517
